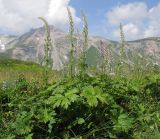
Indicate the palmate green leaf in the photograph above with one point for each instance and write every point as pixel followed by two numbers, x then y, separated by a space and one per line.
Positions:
pixel 101 96
pixel 49 89
pixel 55 100
pixel 124 123
pixel 63 100
pixel 93 95
pixel 29 136
pixel 51 122
pixel 92 101
pixel 21 129
pixel 10 136
pixel 22 123
pixel 89 94
pixel 60 89
pixel 80 121
pixel 48 116
pixel 57 103
pixel 71 95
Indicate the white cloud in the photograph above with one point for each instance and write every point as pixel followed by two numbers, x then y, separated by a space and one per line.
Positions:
pixel 151 31
pixel 154 22
pixel 21 15
pixel 139 20
pixel 129 29
pixel 57 12
pixel 129 12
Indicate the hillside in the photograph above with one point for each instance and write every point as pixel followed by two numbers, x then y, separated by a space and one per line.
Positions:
pixel 30 47
pixel 10 69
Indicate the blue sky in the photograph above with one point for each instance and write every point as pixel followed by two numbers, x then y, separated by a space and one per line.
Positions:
pixel 96 13
pixel 140 18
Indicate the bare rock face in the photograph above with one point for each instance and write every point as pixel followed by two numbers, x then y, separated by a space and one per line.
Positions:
pixel 30 46
pixel 4 40
pixel 150 46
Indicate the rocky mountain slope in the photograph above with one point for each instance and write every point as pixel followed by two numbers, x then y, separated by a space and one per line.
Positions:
pixel 30 46
pixel 4 40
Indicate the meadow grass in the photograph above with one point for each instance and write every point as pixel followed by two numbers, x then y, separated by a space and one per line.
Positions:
pixel 10 69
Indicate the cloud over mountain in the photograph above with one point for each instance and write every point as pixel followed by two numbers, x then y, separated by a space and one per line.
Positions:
pixel 21 15
pixel 138 19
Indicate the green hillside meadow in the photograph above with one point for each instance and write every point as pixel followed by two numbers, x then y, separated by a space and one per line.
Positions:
pixel 10 69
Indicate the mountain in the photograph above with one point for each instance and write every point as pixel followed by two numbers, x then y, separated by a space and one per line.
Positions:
pixel 30 46
pixel 4 40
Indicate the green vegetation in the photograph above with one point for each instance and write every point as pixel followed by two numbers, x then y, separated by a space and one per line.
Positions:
pixel 10 69
pixel 97 107
pixel 121 103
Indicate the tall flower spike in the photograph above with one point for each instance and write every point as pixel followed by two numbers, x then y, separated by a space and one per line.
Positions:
pixel 48 44
pixel 47 50
pixel 122 42
pixel 71 32
pixel 85 42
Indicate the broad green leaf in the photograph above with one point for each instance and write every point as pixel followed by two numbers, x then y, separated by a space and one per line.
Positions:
pixel 81 121
pixel 65 103
pixel 29 136
pixel 124 123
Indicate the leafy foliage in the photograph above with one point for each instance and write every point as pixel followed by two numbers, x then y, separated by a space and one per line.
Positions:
pixel 96 107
